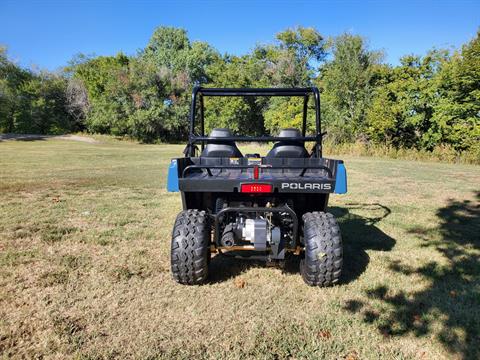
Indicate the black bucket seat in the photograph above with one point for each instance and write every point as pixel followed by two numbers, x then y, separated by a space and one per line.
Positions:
pixel 288 148
pixel 220 148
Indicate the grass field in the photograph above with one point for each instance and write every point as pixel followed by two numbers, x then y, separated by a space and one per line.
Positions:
pixel 84 265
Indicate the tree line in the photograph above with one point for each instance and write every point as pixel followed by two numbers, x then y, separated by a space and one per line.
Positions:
pixel 424 102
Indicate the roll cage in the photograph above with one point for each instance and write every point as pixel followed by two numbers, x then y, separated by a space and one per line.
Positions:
pixel 200 92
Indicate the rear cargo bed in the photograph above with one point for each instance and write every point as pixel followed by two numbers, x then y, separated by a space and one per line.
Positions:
pixel 285 175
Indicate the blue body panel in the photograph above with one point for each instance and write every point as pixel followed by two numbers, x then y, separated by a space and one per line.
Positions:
pixel 341 180
pixel 172 179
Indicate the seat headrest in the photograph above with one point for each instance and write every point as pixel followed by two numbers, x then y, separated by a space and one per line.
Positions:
pixel 220 132
pixel 290 133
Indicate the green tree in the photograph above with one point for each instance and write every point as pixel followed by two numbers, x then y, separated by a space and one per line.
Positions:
pixel 180 65
pixel 291 62
pixel 171 51
pixel 43 106
pixel 402 112
pixel 146 96
pixel 32 102
pixel 458 111
pixel 11 79
pixel 98 73
pixel 287 63
pixel 105 79
pixel 243 115
pixel 346 83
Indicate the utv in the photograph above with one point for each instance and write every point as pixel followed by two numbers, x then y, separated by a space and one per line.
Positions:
pixel 250 205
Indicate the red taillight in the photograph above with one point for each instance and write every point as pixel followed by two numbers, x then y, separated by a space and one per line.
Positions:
pixel 256 188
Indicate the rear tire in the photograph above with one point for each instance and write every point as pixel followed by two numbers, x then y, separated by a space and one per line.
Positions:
pixel 322 264
pixel 190 247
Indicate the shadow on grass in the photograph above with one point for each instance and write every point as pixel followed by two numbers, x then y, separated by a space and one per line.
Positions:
pixel 452 298
pixel 23 137
pixel 359 234
pixel 226 266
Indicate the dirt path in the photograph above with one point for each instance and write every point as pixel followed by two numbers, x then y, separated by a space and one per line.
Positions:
pixel 32 137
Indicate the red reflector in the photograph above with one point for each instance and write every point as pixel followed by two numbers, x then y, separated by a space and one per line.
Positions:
pixel 256 172
pixel 256 188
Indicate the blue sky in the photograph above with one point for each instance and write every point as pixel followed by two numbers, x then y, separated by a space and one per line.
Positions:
pixel 49 33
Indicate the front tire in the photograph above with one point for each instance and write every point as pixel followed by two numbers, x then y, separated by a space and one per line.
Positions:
pixel 190 247
pixel 322 264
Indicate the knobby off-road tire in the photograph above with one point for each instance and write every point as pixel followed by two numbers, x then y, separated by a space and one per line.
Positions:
pixel 322 264
pixel 190 247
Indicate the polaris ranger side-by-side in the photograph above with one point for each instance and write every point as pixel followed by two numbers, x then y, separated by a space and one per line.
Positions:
pixel 252 205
